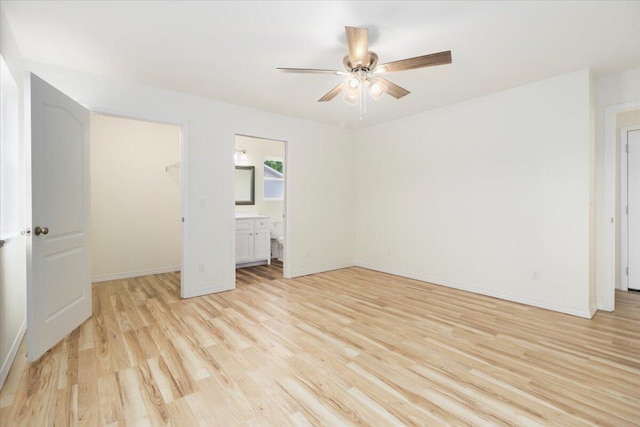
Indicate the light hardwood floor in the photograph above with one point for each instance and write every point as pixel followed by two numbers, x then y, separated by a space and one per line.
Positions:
pixel 350 347
pixel 260 273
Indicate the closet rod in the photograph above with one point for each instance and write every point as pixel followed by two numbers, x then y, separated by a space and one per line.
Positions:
pixel 172 165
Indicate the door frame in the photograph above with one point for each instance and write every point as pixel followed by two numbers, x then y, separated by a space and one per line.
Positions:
pixel 607 288
pixel 624 217
pixel 184 162
pixel 286 256
pixel 13 240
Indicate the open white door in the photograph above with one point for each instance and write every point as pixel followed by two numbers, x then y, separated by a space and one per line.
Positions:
pixel 58 269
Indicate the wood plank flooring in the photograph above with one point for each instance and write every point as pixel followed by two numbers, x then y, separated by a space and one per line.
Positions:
pixel 260 273
pixel 349 347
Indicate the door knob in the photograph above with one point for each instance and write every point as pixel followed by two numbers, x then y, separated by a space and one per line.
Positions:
pixel 40 230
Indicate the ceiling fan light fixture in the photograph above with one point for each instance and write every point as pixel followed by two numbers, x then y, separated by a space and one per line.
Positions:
pixel 351 98
pixel 376 88
pixel 351 87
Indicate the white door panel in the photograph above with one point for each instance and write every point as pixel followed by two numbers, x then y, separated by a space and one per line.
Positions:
pixel 633 202
pixel 58 276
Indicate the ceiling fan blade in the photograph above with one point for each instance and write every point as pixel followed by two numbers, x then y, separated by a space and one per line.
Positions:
pixel 331 94
pixel 393 89
pixel 439 58
pixel 358 41
pixel 312 71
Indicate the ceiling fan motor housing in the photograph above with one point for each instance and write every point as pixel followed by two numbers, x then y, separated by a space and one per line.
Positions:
pixel 369 66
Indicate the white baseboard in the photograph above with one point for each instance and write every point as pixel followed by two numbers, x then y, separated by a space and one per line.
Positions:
pixel 8 361
pixel 535 303
pixel 605 307
pixel 130 274
pixel 253 263
pixel 210 290
pixel 317 270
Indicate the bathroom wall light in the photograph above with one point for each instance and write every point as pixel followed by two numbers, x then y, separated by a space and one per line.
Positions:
pixel 240 155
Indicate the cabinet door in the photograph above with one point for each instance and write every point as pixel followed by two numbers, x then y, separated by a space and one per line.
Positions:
pixel 244 246
pixel 261 249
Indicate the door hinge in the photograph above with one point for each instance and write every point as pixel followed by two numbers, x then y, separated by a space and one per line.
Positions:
pixel 182 219
pixel 627 272
pixel 626 209
pixel 626 148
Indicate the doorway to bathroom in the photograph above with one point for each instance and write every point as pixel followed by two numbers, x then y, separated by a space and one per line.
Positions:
pixel 260 206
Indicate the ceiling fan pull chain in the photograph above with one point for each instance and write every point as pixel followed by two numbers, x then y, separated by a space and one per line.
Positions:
pixel 364 95
pixel 363 100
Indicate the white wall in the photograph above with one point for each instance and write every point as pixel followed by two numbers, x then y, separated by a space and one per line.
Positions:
pixel 480 194
pixel 135 202
pixel 318 240
pixel 13 284
pixel 611 91
pixel 259 150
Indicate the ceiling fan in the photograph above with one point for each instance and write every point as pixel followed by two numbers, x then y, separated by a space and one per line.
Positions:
pixel 362 70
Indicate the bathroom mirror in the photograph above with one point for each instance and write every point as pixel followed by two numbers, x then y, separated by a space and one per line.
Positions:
pixel 245 185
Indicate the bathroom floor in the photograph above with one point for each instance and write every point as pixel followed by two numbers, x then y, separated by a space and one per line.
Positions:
pixel 259 273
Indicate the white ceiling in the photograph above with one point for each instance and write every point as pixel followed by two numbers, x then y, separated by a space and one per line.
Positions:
pixel 230 50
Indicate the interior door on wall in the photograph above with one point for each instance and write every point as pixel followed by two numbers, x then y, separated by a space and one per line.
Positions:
pixel 633 203
pixel 58 271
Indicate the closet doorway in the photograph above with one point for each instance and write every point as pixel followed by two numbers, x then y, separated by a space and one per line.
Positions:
pixel 136 212
pixel 260 209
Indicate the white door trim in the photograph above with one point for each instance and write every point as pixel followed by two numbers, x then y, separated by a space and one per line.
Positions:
pixel 184 178
pixel 606 294
pixel 624 218
pixel 12 255
pixel 624 244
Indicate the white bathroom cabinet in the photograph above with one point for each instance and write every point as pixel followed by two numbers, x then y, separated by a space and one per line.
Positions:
pixel 253 241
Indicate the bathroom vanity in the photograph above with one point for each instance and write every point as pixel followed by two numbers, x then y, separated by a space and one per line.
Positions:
pixel 253 240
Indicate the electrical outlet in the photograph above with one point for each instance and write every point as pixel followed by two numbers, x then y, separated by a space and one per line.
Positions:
pixel 201 268
pixel 535 275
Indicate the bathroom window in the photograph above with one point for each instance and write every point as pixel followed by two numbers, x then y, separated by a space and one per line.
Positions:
pixel 273 179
